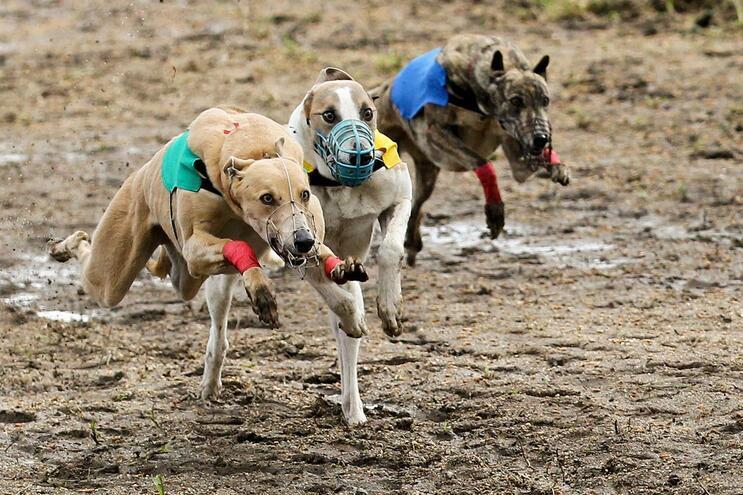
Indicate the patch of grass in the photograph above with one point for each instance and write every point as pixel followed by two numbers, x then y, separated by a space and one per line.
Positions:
pixel 94 432
pixel 682 192
pixel 613 9
pixel 576 10
pixel 159 484
pixel 389 63
pixel 565 10
pixel 583 120
pixel 295 51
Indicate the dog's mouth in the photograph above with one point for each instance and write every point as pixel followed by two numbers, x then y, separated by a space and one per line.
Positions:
pixel 291 256
pixel 298 248
pixel 536 159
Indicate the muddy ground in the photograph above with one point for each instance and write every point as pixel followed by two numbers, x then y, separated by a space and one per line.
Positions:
pixel 594 348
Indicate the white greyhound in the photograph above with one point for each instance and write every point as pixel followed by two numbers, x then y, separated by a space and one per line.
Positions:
pixel 359 179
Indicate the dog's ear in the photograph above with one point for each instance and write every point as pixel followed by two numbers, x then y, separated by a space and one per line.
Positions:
pixel 307 105
pixel 333 74
pixel 496 65
pixel 541 67
pixel 278 146
pixel 234 165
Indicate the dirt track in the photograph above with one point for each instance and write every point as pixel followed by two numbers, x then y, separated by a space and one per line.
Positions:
pixel 595 348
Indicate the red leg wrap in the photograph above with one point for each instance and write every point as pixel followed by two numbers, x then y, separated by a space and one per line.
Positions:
pixel 489 181
pixel 240 255
pixel 551 156
pixel 330 263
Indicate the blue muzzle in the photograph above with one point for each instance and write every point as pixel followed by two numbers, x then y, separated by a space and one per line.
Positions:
pixel 348 150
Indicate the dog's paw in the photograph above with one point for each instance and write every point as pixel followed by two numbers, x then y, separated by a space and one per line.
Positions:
pixel 410 257
pixel 350 270
pixel 495 215
pixel 210 389
pixel 413 246
pixel 354 325
pixel 354 416
pixel 391 316
pixel 560 173
pixel 65 249
pixel 261 297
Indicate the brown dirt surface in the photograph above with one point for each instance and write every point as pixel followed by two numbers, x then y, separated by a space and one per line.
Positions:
pixel 595 348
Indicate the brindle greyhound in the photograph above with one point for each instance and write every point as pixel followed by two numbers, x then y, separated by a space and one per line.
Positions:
pixel 488 96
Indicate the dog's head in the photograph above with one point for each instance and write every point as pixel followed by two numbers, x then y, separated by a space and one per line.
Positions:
pixel 519 99
pixel 342 119
pixel 273 196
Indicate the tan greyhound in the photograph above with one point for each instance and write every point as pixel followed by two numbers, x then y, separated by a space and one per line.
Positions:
pixel 216 197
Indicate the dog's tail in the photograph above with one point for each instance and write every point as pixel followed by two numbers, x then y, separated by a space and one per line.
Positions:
pixel 160 266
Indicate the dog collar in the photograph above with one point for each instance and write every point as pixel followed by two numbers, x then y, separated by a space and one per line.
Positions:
pixel 464 98
pixel 319 180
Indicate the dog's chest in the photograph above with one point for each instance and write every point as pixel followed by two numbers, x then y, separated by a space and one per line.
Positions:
pixel 479 134
pixel 342 204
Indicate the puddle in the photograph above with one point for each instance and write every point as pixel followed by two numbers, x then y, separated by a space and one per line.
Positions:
pixel 21 299
pixel 464 234
pixel 36 272
pixel 13 159
pixel 32 281
pixel 65 316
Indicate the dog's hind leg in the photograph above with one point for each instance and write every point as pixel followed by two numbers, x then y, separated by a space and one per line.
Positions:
pixel 426 173
pixel 121 245
pixel 219 291
pixel 75 246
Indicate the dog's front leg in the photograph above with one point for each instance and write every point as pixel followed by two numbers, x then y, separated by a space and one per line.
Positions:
pixel 348 356
pixel 208 255
pixel 393 222
pixel 445 143
pixel 340 301
pixel 218 298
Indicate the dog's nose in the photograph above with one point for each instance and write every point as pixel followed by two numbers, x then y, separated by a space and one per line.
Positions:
pixel 303 241
pixel 365 157
pixel 540 141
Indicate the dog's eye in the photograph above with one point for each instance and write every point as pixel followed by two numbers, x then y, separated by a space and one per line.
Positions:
pixel 266 199
pixel 329 116
pixel 517 102
pixel 367 114
pixel 545 102
pixel 305 195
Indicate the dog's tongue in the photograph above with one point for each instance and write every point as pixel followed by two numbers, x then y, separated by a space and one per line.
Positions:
pixel 550 156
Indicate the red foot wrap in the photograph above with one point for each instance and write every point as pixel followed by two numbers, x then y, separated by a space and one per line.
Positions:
pixel 330 263
pixel 551 156
pixel 240 255
pixel 489 181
